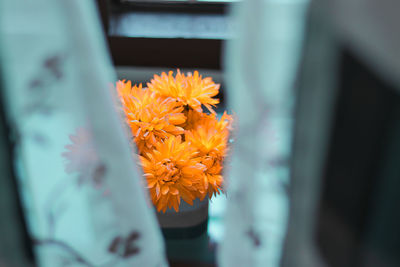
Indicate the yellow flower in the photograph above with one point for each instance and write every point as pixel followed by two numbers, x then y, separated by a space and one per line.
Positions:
pixel 151 118
pixel 173 171
pixel 191 89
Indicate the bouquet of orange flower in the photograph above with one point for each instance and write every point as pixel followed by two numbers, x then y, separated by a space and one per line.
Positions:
pixel 181 147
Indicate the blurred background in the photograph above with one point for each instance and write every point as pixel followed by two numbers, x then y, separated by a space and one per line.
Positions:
pixel 314 176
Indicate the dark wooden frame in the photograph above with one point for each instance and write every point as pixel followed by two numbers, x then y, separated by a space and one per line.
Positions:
pixel 162 52
pixel 168 6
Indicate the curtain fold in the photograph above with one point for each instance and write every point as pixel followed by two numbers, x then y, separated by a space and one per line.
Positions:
pixel 83 194
pixel 261 66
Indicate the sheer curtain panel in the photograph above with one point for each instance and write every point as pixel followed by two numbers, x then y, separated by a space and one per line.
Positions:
pixel 83 195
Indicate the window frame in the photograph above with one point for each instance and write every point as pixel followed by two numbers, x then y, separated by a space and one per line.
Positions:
pixel 163 52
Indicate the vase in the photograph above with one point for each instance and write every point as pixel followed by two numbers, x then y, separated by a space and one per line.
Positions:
pixel 189 222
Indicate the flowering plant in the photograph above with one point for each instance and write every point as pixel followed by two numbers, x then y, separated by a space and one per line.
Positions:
pixel 181 147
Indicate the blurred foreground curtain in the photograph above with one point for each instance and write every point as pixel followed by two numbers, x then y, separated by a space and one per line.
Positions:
pixel 344 195
pixel 261 68
pixel 81 189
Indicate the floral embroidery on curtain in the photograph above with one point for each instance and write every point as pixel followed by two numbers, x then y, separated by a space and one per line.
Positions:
pixel 82 191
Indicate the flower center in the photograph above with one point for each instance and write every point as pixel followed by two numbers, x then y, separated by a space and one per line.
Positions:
pixel 170 172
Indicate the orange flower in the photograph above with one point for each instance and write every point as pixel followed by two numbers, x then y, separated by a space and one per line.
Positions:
pixel 191 90
pixel 125 89
pixel 173 171
pixel 150 117
pixel 193 119
pixel 210 138
pixel 181 148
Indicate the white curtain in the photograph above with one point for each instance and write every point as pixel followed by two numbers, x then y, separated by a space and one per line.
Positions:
pixel 261 66
pixel 82 191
